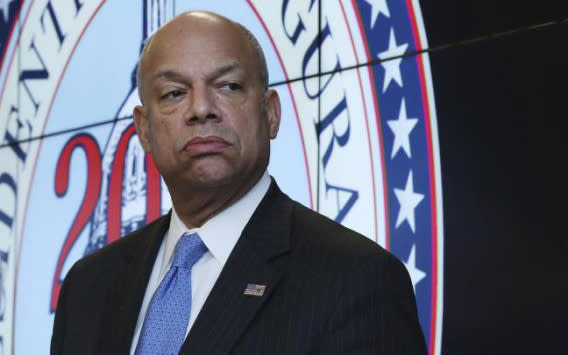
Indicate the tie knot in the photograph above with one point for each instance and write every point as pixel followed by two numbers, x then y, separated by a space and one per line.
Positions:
pixel 188 250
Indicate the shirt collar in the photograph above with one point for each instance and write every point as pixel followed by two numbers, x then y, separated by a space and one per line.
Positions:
pixel 220 233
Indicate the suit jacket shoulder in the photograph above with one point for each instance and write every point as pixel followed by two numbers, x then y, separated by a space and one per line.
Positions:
pixel 369 287
pixel 105 287
pixel 330 236
pixel 327 290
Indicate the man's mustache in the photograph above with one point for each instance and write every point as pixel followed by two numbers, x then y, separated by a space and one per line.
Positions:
pixel 212 131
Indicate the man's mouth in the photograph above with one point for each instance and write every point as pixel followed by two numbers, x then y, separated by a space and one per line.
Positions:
pixel 205 145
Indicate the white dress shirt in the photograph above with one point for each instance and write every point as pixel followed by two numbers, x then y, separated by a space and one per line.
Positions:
pixel 219 234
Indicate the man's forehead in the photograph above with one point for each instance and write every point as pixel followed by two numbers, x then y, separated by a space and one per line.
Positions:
pixel 206 40
pixel 214 71
pixel 195 37
pixel 198 24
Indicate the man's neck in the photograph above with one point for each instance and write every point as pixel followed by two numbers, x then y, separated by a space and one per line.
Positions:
pixel 195 206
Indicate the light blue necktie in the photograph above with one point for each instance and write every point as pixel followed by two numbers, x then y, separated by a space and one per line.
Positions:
pixel 167 317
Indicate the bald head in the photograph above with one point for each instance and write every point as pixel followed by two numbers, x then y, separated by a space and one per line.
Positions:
pixel 207 117
pixel 203 19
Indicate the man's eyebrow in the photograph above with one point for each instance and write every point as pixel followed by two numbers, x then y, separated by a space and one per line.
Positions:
pixel 225 69
pixel 169 75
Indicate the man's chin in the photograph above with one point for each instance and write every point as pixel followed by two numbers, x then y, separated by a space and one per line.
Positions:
pixel 215 174
pixel 212 178
pixel 215 181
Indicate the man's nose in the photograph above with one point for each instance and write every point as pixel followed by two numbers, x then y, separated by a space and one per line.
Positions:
pixel 202 105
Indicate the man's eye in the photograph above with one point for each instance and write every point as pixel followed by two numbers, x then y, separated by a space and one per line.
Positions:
pixel 233 86
pixel 172 94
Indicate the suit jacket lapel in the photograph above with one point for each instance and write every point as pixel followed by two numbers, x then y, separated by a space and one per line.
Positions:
pixel 127 291
pixel 255 259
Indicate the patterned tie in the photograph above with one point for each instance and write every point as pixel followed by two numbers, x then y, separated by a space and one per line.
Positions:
pixel 167 317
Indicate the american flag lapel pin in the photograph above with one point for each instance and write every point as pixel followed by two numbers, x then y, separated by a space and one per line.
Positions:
pixel 254 290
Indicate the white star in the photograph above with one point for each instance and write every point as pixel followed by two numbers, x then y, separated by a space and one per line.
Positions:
pixel 378 6
pixel 416 275
pixel 5 8
pixel 392 66
pixel 408 201
pixel 401 129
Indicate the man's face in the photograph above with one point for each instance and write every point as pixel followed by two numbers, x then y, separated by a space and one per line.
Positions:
pixel 206 119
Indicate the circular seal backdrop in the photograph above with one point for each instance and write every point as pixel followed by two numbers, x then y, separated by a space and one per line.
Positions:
pixel 358 140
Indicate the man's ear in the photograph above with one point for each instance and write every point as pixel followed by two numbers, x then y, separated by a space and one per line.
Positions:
pixel 273 112
pixel 142 127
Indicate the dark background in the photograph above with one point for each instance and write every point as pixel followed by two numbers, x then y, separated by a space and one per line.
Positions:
pixel 500 73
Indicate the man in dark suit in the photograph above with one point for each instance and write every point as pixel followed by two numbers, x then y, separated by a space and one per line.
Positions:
pixel 271 276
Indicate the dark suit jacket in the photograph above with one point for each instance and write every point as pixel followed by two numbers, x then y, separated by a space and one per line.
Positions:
pixel 329 290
